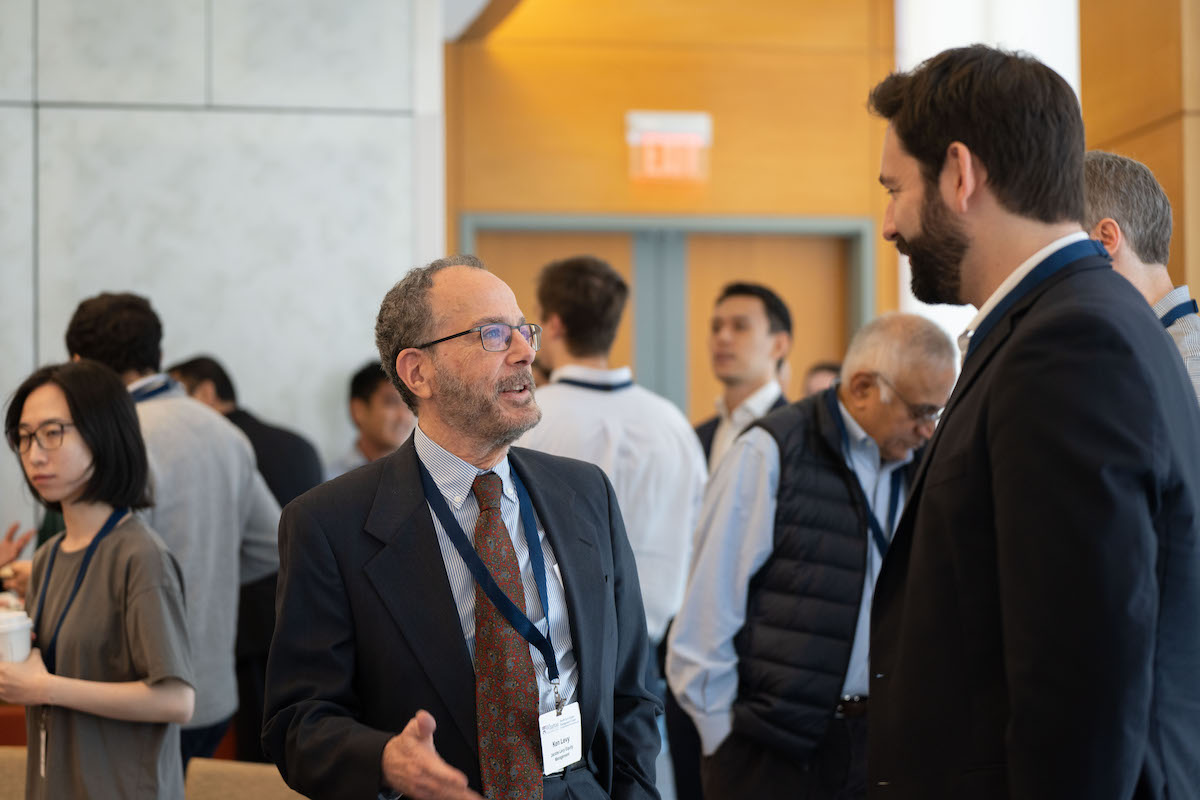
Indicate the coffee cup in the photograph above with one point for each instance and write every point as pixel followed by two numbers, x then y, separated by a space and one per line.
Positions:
pixel 14 635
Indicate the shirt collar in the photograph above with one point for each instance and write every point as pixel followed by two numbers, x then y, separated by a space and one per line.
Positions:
pixel 1010 283
pixel 454 476
pixel 1179 294
pixel 755 406
pixel 608 377
pixel 157 377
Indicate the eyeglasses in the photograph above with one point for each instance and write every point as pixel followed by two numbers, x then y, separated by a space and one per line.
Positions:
pixel 496 337
pixel 49 436
pixel 925 412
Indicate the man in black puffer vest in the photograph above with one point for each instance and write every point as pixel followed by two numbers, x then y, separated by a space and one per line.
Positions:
pixel 769 653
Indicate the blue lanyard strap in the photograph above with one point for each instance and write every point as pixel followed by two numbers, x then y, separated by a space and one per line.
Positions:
pixel 877 535
pixel 513 615
pixel 1050 265
pixel 152 390
pixel 598 387
pixel 1181 310
pixel 50 650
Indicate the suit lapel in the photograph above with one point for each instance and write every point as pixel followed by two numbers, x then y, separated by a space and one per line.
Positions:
pixel 410 577
pixel 572 538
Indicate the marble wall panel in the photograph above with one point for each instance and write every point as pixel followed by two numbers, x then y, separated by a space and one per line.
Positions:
pixel 266 240
pixel 16 298
pixel 313 53
pixel 126 51
pixel 16 50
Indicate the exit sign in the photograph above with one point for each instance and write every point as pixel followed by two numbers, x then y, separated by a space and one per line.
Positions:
pixel 668 145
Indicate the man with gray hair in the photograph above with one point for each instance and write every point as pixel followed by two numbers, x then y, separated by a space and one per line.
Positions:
pixel 412 657
pixel 1128 212
pixel 769 653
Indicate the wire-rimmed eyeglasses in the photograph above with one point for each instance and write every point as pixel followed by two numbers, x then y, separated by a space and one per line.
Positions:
pixel 924 412
pixel 496 337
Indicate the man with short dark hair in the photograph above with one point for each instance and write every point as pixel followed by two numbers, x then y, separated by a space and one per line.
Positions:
pixel 211 505
pixel 769 653
pixel 750 336
pixel 595 412
pixel 1034 626
pixel 1129 213
pixel 380 415
pixel 414 658
pixel 290 466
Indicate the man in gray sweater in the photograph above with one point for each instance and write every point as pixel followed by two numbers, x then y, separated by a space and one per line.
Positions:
pixel 211 505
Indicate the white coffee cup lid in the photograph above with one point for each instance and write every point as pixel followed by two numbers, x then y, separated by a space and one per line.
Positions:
pixel 14 621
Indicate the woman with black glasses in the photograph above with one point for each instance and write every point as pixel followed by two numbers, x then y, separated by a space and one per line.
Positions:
pixel 108 682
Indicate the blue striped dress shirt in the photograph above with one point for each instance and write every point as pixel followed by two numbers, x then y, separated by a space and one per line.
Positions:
pixel 454 477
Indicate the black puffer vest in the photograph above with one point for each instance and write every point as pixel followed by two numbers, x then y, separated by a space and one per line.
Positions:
pixel 802 605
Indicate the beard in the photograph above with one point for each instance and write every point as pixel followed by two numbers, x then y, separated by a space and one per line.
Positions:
pixel 936 253
pixel 478 410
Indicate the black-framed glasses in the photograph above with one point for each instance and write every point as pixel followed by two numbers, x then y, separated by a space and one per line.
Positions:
pixel 49 436
pixel 924 412
pixel 496 337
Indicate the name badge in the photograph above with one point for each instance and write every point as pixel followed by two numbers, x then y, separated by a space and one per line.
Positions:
pixel 562 738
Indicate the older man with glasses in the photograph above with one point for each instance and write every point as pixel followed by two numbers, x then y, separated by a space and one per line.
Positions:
pixel 460 618
pixel 769 653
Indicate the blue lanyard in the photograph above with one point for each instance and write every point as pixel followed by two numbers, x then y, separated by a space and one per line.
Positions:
pixel 515 616
pixel 50 651
pixel 1181 310
pixel 1050 265
pixel 152 390
pixel 599 387
pixel 881 539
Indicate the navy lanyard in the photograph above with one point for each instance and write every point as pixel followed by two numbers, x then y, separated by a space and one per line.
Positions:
pixel 1050 265
pixel 881 539
pixel 50 650
pixel 515 616
pixel 152 390
pixel 599 387
pixel 1181 310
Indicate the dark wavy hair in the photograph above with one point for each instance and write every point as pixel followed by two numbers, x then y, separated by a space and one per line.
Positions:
pixel 119 330
pixel 103 413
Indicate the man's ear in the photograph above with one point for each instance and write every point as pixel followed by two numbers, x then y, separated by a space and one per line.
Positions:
pixel 414 368
pixel 206 392
pixel 553 327
pixel 781 345
pixel 858 388
pixel 1109 234
pixel 962 176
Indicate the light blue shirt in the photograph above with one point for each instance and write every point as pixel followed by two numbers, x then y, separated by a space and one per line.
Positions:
pixel 734 539
pixel 454 477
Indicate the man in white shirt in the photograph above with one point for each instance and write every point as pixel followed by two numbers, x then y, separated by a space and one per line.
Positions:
pixel 1033 632
pixel 750 337
pixel 595 412
pixel 1129 213
pixel 769 652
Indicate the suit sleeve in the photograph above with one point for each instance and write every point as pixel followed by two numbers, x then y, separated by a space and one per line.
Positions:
pixel 311 730
pixel 1074 439
pixel 636 741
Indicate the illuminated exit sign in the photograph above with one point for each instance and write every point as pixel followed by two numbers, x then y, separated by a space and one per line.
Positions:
pixel 668 145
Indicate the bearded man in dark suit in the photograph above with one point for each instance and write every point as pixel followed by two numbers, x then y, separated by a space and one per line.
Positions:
pixel 1034 629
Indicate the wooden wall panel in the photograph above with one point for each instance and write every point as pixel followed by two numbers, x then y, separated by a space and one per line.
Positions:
pixel 518 256
pixel 1131 66
pixel 807 272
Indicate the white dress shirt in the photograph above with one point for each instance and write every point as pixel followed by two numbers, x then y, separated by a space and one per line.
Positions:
pixel 735 538
pixel 454 477
pixel 1016 276
pixel 650 453
pixel 731 423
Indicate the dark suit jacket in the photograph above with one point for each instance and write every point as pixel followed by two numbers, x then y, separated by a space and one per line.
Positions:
pixel 708 429
pixel 1034 631
pixel 368 632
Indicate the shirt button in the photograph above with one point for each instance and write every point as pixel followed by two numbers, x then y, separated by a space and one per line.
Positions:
pixel 457 499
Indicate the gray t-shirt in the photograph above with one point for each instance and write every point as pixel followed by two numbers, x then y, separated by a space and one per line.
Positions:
pixel 126 624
